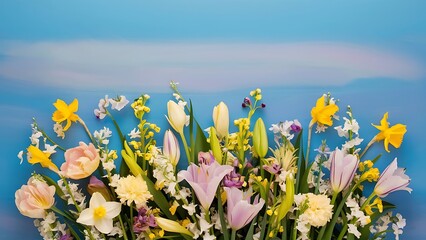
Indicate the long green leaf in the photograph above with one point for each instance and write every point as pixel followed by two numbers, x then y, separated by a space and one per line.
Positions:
pixel 159 198
pixel 222 216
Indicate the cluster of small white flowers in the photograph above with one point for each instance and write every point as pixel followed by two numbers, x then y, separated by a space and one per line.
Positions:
pixel 164 172
pixel 321 160
pixel 397 225
pixel 350 125
pixel 59 130
pixel 35 135
pixel 96 235
pixel 107 160
pixel 202 229
pixel 102 136
pixel 79 197
pixel 284 129
pixel 116 104
pixel 116 230
pixel 356 213
pixel 215 217
pixel 49 227
pixel 135 133
pixel 381 226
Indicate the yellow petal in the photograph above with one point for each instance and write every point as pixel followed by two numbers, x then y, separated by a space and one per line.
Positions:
pixel 73 107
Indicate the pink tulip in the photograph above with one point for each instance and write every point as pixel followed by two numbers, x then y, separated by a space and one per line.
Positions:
pixel 240 211
pixel 80 162
pixel 171 147
pixel 33 199
pixel 342 170
pixel 205 180
pixel 391 180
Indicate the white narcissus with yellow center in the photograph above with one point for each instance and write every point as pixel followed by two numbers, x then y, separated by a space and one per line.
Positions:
pixel 100 213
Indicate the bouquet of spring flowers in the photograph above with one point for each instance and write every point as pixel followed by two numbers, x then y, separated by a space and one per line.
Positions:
pixel 237 185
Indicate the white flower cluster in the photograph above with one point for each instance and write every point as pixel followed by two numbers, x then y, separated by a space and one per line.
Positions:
pixel 102 136
pixel 116 103
pixel 356 213
pixel 349 130
pixel 285 129
pixel 380 228
pixel 202 229
pixel 316 173
pixel 95 234
pixel 74 192
pixel 164 172
pixel 49 227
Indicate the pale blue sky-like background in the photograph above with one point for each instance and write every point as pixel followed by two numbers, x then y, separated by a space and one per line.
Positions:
pixel 369 54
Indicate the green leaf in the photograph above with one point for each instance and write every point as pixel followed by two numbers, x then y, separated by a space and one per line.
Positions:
pixel 159 198
pixel 222 216
pixel 250 232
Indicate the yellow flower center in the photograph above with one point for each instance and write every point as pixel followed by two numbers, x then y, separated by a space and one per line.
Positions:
pixel 99 212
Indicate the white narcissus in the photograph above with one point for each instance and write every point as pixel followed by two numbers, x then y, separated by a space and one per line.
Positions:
pixel 100 213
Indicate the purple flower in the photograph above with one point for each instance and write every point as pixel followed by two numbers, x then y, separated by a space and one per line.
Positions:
pixel 296 126
pixel 274 168
pixel 206 158
pixel 391 180
pixel 204 180
pixel 233 179
pixel 342 170
pixel 143 221
pixel 66 237
pixel 240 211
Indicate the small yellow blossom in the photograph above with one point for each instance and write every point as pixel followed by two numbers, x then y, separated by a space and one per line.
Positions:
pixel 371 175
pixel 65 112
pixel 269 212
pixel 322 113
pixel 38 156
pixel 392 135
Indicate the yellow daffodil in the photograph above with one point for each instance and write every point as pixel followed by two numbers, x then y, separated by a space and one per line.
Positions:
pixel 322 113
pixel 392 135
pixel 37 156
pixel 65 112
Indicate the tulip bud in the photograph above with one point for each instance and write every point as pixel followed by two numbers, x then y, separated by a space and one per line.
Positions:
pixel 260 139
pixel 172 226
pixel 221 119
pixel 176 116
pixel 171 147
pixel 96 185
pixel 215 146
pixel 342 170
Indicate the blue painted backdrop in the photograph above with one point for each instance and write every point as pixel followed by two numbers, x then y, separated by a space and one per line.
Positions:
pixel 371 55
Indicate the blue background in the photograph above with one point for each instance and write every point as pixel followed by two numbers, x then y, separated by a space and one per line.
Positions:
pixel 371 55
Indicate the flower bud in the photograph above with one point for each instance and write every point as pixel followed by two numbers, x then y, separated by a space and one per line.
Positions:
pixel 171 148
pixel 176 116
pixel 221 119
pixel 96 185
pixel 215 146
pixel 260 139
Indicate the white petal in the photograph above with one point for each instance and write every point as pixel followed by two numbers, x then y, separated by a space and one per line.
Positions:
pixel 104 225
pixel 86 217
pixel 112 209
pixel 96 200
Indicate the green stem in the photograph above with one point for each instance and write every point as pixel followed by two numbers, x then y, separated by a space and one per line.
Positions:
pixel 311 124
pixel 56 210
pixel 367 147
pixel 233 234
pixel 122 227
pixel 185 145
pixel 87 130
pixel 343 232
pixel 131 223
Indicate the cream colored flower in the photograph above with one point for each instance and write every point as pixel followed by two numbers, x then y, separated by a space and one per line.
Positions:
pixel 319 210
pixel 133 189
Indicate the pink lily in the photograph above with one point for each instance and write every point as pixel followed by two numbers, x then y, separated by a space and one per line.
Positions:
pixel 342 170
pixel 391 180
pixel 240 211
pixel 205 179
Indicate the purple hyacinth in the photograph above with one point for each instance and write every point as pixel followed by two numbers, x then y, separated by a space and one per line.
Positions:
pixel 205 158
pixel 295 127
pixel 66 237
pixel 143 221
pixel 233 179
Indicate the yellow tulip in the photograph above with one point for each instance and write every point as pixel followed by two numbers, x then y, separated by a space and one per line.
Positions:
pixel 392 135
pixel 221 119
pixel 176 116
